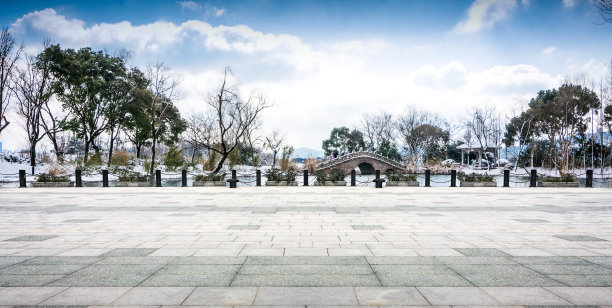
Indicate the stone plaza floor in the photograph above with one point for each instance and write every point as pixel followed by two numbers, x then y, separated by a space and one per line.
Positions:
pixel 306 246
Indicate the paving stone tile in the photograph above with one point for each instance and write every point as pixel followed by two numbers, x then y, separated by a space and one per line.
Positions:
pixel 511 280
pixel 208 260
pixel 305 281
pixel 222 296
pixel 525 296
pixel 7 261
pixel 305 260
pixel 306 296
pixel 129 252
pixel 389 296
pixel 112 280
pixel 482 252
pixel 62 260
pixel 306 269
pixel 603 260
pixel 579 238
pixel 394 280
pixel 199 269
pixel 119 269
pixel 27 280
pixel 475 260
pixel 31 238
pixel 491 269
pixel 584 296
pixel 136 260
pixel 305 252
pixel 41 269
pixel 549 260
pixel 79 220
pixel 154 296
pixel 243 227
pixel 527 220
pixel 217 280
pixel 403 260
pixel 413 269
pixel 86 296
pixel 367 227
pixel 584 280
pixel 83 252
pixel 27 295
pixel 457 296
pixel 570 269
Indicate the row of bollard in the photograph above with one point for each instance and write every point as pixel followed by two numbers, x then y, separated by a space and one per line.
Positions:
pixel 378 181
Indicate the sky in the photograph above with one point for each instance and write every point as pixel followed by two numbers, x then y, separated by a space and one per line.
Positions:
pixel 324 64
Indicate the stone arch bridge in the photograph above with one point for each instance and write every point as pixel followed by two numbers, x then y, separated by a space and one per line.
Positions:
pixel 367 163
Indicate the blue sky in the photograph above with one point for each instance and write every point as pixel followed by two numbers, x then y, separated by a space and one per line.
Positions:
pixel 326 63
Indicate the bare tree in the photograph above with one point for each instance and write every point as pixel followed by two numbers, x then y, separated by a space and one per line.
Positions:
pixel 377 128
pixel 419 131
pixel 163 88
pixel 233 118
pixel 485 127
pixel 32 89
pixel 9 55
pixel 274 143
pixel 198 133
pixel 605 9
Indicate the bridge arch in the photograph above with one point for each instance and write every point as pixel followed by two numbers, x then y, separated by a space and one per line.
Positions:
pixel 366 162
pixel 366 168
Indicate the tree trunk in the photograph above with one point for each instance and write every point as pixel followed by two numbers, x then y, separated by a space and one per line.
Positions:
pixel 153 145
pixel 32 153
pixel 110 150
pixel 138 146
pixel 220 164
pixel 86 154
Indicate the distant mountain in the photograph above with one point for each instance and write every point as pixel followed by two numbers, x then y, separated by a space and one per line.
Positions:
pixel 307 153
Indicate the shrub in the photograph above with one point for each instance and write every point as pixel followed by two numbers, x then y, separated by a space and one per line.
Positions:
pixel 95 159
pixel 475 177
pixel 332 176
pixel 401 177
pixel 211 177
pixel 133 177
pixel 174 158
pixel 121 158
pixel 276 175
pixel 563 179
pixel 44 177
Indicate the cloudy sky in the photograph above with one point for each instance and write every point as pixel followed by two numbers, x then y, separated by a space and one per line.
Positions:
pixel 326 63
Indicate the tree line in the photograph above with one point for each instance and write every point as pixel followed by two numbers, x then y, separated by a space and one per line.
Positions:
pixel 92 95
pixel 563 128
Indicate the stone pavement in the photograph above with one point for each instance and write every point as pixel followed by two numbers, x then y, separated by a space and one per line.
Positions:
pixel 306 246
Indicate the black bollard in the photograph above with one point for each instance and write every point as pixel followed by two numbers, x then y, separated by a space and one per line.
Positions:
pixel 534 178
pixel 183 178
pixel 233 180
pixel 353 178
pixel 104 178
pixel 257 177
pixel 22 178
pixel 453 178
pixel 427 178
pixel 77 178
pixel 158 178
pixel 378 181
pixel 589 179
pixel 506 178
pixel 305 177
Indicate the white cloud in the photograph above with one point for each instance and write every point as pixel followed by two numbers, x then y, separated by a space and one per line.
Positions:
pixel 484 14
pixel 548 50
pixel 569 3
pixel 218 12
pixel 190 5
pixel 525 3
pixel 325 86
